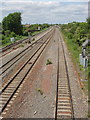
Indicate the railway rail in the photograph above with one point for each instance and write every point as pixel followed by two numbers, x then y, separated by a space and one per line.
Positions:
pixel 10 63
pixel 64 104
pixel 9 90
pixel 3 49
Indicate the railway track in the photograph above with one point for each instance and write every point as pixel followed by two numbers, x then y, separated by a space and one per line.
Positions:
pixel 9 90
pixel 13 61
pixel 64 105
pixel 3 49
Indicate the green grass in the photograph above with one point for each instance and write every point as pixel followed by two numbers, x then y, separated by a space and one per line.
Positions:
pixel 89 108
pixel 75 50
pixel 7 41
pixel 34 33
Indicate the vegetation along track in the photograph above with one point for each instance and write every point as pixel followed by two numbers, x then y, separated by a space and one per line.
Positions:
pixel 12 86
pixel 16 43
pixel 10 63
pixel 64 105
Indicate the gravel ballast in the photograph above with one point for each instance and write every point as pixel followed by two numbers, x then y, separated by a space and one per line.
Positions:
pixel 37 96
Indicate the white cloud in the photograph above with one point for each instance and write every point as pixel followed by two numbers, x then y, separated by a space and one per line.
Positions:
pixel 47 0
pixel 38 11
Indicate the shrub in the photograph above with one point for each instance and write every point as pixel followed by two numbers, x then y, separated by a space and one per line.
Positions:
pixel 33 39
pixel 25 33
pixel 3 37
pixel 70 35
pixel 7 33
pixel 21 45
pixel 40 91
pixel 48 62
pixel 13 34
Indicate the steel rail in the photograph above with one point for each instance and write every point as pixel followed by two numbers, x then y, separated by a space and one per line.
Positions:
pixel 42 47
pixel 20 55
pixel 58 85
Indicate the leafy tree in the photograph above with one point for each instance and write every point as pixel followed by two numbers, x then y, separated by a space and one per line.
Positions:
pixel 13 23
pixel 7 33
pixel 13 34
pixel 76 31
pixel 70 35
pixel 88 21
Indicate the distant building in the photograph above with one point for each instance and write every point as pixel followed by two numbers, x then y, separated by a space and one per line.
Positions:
pixel 27 25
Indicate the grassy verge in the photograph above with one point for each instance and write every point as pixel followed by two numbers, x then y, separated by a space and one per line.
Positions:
pixel 75 50
pixel 7 41
pixel 34 33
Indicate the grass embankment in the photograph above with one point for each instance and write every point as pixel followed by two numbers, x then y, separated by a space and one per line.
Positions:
pixel 34 33
pixel 75 50
pixel 6 40
pixel 75 34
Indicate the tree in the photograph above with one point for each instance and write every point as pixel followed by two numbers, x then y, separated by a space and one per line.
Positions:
pixel 7 32
pixel 88 21
pixel 13 23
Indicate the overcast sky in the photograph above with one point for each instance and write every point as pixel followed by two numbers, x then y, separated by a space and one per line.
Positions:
pixel 46 11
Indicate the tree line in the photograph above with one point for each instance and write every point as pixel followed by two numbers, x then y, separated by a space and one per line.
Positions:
pixel 12 27
pixel 78 32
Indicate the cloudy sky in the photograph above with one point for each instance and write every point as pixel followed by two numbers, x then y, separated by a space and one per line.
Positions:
pixel 46 11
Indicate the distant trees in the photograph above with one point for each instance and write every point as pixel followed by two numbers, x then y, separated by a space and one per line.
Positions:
pixel 13 23
pixel 34 27
pixel 76 31
pixel 88 21
pixel 11 27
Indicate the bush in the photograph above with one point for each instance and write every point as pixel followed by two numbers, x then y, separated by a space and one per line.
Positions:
pixel 33 39
pixel 3 37
pixel 13 34
pixel 7 33
pixel 88 35
pixel 40 91
pixel 6 40
pixel 21 45
pixel 70 35
pixel 25 33
pixel 48 62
